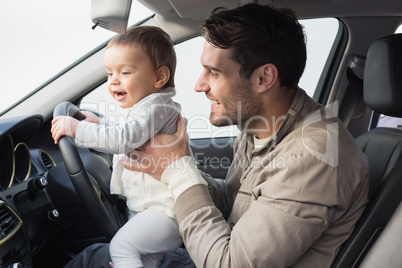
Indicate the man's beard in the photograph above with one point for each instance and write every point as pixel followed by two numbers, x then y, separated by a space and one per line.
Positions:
pixel 239 107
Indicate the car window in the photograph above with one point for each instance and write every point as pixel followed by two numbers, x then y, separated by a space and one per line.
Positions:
pixel 41 49
pixel 389 121
pixel 195 106
pixel 320 35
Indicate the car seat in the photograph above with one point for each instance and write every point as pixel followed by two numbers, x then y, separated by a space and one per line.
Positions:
pixel 386 252
pixel 382 86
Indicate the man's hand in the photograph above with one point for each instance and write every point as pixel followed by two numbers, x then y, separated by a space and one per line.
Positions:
pixel 159 152
pixel 64 126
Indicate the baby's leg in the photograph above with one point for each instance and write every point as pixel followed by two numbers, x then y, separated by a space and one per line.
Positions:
pixel 144 240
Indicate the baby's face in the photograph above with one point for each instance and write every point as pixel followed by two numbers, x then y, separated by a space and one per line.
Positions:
pixel 131 76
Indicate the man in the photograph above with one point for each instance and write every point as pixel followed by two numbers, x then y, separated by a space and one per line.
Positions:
pixel 298 182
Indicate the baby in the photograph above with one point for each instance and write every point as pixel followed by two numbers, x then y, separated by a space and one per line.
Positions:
pixel 140 65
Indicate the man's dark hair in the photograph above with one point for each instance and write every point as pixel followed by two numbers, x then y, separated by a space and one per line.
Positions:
pixel 257 35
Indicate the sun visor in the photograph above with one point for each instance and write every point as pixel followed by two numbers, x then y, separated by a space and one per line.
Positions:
pixel 111 14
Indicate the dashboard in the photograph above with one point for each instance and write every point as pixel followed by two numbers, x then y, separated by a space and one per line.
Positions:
pixel 18 160
pixel 23 170
pixel 39 208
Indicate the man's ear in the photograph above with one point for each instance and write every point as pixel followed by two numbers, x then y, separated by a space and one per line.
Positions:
pixel 162 76
pixel 267 75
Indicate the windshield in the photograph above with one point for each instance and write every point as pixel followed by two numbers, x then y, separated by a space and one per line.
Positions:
pixel 42 37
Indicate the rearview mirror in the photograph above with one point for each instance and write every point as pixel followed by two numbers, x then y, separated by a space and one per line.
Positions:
pixel 111 14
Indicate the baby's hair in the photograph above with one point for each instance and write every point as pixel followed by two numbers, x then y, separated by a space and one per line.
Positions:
pixel 155 42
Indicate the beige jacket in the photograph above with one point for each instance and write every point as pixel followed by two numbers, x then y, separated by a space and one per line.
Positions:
pixel 291 204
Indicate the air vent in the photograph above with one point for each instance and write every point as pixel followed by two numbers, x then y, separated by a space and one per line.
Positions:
pixel 9 222
pixel 47 160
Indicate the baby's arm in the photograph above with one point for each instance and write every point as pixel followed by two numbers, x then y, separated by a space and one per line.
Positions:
pixel 141 124
pixel 64 125
pixel 67 125
pixel 91 117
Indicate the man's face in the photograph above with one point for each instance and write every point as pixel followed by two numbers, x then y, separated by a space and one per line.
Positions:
pixel 232 99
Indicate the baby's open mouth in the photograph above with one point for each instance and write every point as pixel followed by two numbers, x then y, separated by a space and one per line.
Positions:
pixel 119 94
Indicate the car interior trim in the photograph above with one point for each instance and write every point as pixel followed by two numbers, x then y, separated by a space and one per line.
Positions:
pixel 22 162
pixel 3 207
pixel 8 155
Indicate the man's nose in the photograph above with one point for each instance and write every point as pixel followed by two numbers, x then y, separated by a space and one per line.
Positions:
pixel 202 84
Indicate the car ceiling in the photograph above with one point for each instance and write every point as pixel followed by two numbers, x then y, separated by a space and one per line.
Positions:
pixel 199 9
pixel 188 15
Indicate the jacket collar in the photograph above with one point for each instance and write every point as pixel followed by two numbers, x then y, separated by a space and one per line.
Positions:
pixel 293 116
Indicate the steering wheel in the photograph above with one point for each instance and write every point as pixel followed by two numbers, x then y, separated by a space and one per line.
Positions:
pixel 80 178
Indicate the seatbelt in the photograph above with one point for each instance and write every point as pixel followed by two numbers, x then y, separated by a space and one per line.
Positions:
pixel 352 98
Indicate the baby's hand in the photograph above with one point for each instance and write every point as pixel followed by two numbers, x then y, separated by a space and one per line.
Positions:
pixel 91 117
pixel 63 125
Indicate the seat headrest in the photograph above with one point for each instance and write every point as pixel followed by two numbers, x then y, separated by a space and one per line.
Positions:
pixel 382 81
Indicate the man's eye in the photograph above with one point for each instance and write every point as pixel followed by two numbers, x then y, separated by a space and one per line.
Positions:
pixel 125 73
pixel 212 73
